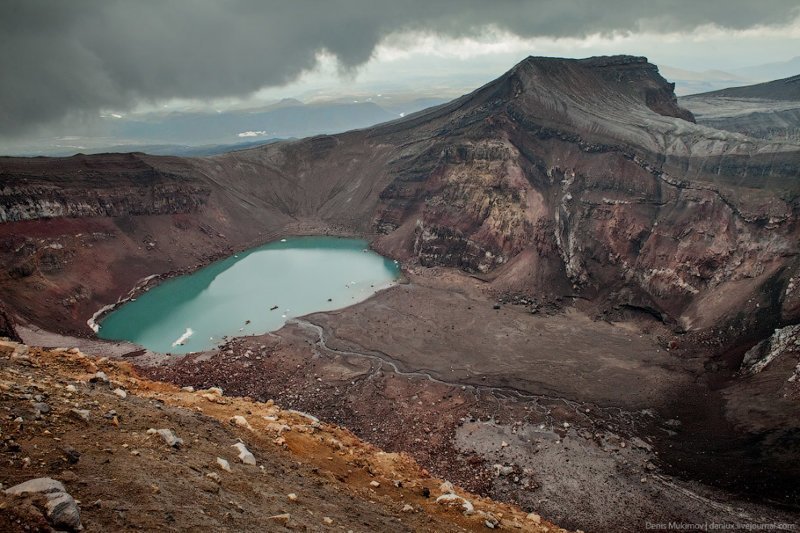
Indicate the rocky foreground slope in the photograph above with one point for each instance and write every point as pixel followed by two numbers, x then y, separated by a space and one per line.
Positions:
pixel 135 454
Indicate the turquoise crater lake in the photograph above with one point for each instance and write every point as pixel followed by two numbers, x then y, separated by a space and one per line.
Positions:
pixel 238 295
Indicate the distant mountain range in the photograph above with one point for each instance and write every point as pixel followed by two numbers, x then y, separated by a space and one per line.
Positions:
pixel 787 89
pixel 771 71
pixel 201 133
pixel 692 82
pixel 696 82
pixel 184 150
pixel 769 110
pixel 288 119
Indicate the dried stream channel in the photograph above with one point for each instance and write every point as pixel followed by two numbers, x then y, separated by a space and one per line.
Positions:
pixel 251 293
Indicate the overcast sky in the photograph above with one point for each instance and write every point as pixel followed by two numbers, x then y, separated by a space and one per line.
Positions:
pixel 66 62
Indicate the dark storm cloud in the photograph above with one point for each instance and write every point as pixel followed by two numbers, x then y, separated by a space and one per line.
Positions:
pixel 63 57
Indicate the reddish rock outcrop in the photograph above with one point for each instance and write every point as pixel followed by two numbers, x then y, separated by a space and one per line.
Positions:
pixel 7 325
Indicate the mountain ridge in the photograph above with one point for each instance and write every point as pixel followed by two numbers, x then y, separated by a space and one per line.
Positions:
pixel 532 118
pixel 783 89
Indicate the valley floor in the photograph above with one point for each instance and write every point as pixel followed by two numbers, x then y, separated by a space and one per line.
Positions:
pixel 553 411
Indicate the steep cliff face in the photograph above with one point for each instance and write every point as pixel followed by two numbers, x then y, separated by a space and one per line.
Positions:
pixel 7 329
pixel 110 185
pixel 29 202
pixel 592 164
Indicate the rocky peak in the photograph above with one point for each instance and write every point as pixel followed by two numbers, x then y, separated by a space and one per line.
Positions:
pixel 603 84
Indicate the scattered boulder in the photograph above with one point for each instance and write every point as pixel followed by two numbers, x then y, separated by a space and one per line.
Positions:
pixel 168 435
pixel 454 500
pixel 223 464
pixel 121 393
pixel 275 427
pixel 71 454
pixel 374 484
pixel 81 414
pixel 214 394
pixel 21 351
pixel 239 420
pixel 244 454
pixel 99 377
pixel 491 521
pixel 61 509
pixel 502 470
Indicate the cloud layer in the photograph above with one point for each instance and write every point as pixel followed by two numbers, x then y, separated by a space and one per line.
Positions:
pixel 72 58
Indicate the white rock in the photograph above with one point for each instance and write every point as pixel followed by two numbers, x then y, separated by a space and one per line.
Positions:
pixel 223 464
pixel 187 389
pixel 83 414
pixel 535 518
pixel 244 454
pixel 99 376
pixel 408 508
pixel 446 488
pixel 168 435
pixel 455 499
pixel 374 484
pixel 72 388
pixel 239 420
pixel 43 485
pixel 278 428
pixel 121 393
pixel 61 508
pixel 501 470
pixel 21 350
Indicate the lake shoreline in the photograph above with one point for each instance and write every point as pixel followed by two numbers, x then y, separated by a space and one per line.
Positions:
pixel 341 259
